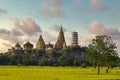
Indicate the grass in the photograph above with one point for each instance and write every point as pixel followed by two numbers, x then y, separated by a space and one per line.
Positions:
pixel 56 73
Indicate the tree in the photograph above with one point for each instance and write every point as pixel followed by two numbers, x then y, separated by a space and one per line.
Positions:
pixel 102 50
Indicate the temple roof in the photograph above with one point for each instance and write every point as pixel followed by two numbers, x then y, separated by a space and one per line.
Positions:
pixel 17 45
pixel 49 45
pixel 28 44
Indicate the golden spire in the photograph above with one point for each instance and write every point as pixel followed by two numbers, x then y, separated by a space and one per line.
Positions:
pixel 40 44
pixel 61 39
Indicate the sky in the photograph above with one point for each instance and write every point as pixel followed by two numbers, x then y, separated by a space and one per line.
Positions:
pixel 25 20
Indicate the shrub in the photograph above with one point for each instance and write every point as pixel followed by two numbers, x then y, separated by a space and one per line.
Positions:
pixel 83 65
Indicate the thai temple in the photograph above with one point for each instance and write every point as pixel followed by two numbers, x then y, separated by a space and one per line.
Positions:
pixel 18 46
pixel 61 40
pixel 49 46
pixel 58 45
pixel 28 46
pixel 40 45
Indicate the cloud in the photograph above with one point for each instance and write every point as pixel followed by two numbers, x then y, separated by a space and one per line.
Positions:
pixel 85 40
pixel 11 36
pixel 4 31
pixel 6 44
pixel 28 26
pixel 93 5
pixel 57 28
pixel 77 3
pixel 22 31
pixel 52 8
pixel 2 11
pixel 97 5
pixel 98 28
pixel 16 32
pixel 49 37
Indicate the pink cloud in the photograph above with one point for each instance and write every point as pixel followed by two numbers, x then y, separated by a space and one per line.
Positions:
pixel 52 8
pixel 97 5
pixel 3 11
pixel 49 37
pixel 98 28
pixel 28 26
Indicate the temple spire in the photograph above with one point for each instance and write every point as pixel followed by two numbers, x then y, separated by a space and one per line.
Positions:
pixel 61 39
pixel 40 44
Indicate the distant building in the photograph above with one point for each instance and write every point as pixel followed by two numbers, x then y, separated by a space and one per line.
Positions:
pixel 18 46
pixel 40 44
pixel 61 40
pixel 49 46
pixel 74 38
pixel 28 46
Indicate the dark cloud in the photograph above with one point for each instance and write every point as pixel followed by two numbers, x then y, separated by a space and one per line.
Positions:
pixel 9 38
pixel 2 11
pixel 12 36
pixel 28 26
pixel 4 31
pixel 16 32
pixel 57 28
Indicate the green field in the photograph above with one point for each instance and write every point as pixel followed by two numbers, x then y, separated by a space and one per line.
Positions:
pixel 56 73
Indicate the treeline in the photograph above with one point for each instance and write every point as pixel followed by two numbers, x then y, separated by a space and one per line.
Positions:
pixel 71 56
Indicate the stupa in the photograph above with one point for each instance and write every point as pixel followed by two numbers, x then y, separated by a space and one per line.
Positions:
pixel 61 40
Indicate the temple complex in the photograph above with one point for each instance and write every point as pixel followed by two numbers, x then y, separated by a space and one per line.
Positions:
pixel 61 40
pixel 40 45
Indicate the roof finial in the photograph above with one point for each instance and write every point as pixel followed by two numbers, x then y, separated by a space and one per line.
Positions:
pixel 61 28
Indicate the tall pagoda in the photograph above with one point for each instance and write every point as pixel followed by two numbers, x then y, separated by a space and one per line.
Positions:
pixel 61 40
pixel 40 44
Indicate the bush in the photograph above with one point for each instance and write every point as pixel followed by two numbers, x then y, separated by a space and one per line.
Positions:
pixel 55 64
pixel 83 65
pixel 43 62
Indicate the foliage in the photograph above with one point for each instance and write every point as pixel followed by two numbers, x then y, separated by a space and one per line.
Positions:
pixel 102 51
pixel 83 65
pixel 71 56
